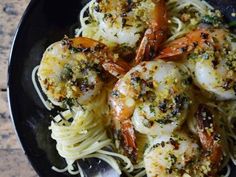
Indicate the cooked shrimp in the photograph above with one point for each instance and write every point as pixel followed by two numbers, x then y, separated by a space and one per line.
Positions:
pixel 120 21
pixel 170 155
pixel 152 98
pixel 125 24
pixel 180 154
pixel 211 56
pixel 71 70
pixel 156 33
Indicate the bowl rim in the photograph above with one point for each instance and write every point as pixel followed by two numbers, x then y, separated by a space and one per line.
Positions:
pixel 31 5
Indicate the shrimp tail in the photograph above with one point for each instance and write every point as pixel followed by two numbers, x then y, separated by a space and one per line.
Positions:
pixel 201 38
pixel 186 44
pixel 210 138
pixel 117 69
pixel 155 35
pixel 129 139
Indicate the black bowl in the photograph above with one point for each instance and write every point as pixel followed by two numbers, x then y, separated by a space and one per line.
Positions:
pixel 44 22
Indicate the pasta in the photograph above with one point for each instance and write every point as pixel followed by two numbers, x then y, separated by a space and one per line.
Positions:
pixel 156 119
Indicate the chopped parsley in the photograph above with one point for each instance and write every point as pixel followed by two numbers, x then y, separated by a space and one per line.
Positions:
pixel 231 60
pixel 67 72
pixel 213 20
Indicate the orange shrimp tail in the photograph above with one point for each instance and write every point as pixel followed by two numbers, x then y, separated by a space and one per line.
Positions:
pixel 117 69
pixel 155 35
pixel 85 42
pixel 129 139
pixel 210 137
pixel 185 45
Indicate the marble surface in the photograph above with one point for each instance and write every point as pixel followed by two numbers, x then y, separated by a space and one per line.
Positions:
pixel 13 162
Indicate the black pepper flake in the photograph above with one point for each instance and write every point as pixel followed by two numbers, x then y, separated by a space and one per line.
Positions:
pixel 183 49
pixel 207 43
pixel 147 123
pixel 71 120
pixel 164 121
pixel 150 85
pixel 97 8
pixel 162 144
pixel 135 80
pixel 175 112
pixel 169 170
pixel 123 22
pixel 108 15
pixel 163 106
pixel 130 5
pixel 179 99
pixel 188 81
pixel 69 102
pixel 65 41
pixel 156 145
pixel 96 67
pixel 174 143
pixel 204 35
pixel 215 62
pixel 227 84
pixel 208 153
pixel 115 93
pixel 143 64
pixel 99 47
pixel 216 137
pixel 129 2
pixel 152 52
pixel 195 44
pixel 173 159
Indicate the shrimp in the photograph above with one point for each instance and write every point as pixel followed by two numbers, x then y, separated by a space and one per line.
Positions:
pixel 181 155
pixel 120 22
pixel 72 70
pixel 210 54
pixel 152 98
pixel 121 25
pixel 155 35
